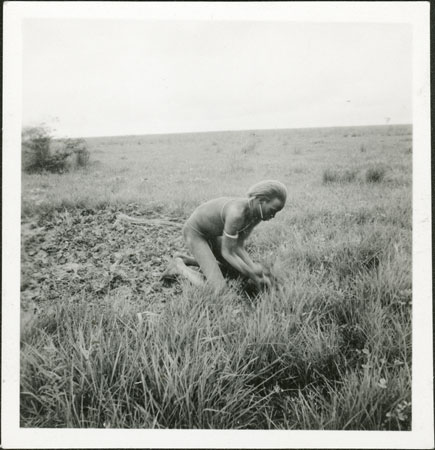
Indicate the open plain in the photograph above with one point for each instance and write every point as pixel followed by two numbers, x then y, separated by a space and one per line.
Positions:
pixel 105 344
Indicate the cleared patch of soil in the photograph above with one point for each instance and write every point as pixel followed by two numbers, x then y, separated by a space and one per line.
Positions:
pixel 88 254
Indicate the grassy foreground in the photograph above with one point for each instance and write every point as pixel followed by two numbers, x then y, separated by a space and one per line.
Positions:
pixel 103 344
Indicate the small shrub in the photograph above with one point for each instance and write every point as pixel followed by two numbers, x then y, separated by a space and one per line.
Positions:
pixel 329 176
pixel 79 149
pixel 41 153
pixel 37 153
pixel 339 175
pixel 375 174
pixel 362 148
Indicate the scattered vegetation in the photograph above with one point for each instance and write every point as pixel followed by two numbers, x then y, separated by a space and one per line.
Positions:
pixel 42 153
pixel 104 344
pixel 374 174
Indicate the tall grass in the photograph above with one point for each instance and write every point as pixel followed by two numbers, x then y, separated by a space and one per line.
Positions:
pixel 375 174
pixel 329 349
pixel 339 175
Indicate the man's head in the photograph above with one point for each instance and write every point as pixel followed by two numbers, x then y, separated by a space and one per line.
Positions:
pixel 271 196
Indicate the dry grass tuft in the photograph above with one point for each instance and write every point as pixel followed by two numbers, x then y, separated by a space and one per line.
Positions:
pixel 339 175
pixel 375 174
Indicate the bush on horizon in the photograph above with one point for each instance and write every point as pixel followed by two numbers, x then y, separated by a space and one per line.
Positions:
pixel 42 153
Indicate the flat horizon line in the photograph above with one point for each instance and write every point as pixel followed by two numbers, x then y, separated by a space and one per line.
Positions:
pixel 236 130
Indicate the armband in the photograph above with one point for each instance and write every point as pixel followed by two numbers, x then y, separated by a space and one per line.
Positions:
pixel 235 236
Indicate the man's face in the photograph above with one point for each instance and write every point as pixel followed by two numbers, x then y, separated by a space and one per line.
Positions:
pixel 271 207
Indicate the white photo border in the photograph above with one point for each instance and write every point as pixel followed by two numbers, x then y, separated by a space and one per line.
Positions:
pixel 413 13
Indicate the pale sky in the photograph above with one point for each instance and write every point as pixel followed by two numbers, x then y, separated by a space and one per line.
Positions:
pixel 118 77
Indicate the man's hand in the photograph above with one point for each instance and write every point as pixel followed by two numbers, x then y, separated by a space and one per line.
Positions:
pixel 263 282
pixel 275 279
pixel 258 269
pixel 266 282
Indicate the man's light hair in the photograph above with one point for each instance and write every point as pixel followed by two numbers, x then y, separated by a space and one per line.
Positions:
pixel 268 189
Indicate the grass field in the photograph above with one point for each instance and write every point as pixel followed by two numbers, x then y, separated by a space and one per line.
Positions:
pixel 104 344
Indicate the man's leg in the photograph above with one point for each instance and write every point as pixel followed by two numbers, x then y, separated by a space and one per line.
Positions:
pixel 203 257
pixel 188 260
pixel 203 254
pixel 178 267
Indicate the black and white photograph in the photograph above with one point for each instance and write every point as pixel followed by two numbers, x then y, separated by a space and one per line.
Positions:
pixel 217 225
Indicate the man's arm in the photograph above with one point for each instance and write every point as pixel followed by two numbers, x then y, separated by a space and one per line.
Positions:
pixel 230 251
pixel 233 250
pixel 244 255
